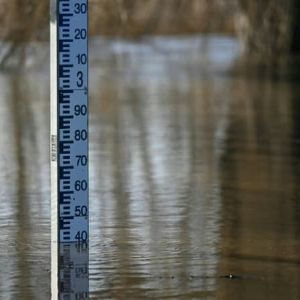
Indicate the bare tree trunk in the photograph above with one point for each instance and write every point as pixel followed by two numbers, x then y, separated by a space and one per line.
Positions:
pixel 295 31
pixel 266 27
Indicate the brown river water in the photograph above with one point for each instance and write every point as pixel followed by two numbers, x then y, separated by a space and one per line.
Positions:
pixel 194 175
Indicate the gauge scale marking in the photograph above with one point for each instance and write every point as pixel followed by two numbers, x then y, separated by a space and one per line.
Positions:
pixel 72 120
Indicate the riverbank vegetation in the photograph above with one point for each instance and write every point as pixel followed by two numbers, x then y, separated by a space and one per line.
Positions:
pixel 266 28
pixel 28 19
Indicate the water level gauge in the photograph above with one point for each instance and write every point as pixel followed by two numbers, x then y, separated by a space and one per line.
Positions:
pixel 69 120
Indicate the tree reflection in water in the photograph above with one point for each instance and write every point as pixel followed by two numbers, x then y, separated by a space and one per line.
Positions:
pixel 193 176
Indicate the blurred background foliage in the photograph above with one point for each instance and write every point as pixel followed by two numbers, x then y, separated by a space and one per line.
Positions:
pixel 266 28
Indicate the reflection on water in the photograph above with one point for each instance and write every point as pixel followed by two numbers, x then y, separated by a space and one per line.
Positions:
pixel 158 132
pixel 260 192
pixel 73 281
pixel 193 176
pixel 24 220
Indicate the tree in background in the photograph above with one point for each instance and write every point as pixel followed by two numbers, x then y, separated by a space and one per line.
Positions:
pixel 268 28
pixel 21 21
pixel 295 31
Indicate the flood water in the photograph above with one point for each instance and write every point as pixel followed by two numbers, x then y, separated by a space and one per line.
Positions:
pixel 194 173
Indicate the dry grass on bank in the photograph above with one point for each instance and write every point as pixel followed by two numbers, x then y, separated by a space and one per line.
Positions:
pixel 264 27
pixel 23 20
pixel 135 17
pixel 28 20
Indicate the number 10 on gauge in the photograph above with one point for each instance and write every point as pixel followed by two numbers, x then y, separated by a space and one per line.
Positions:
pixel 69 121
